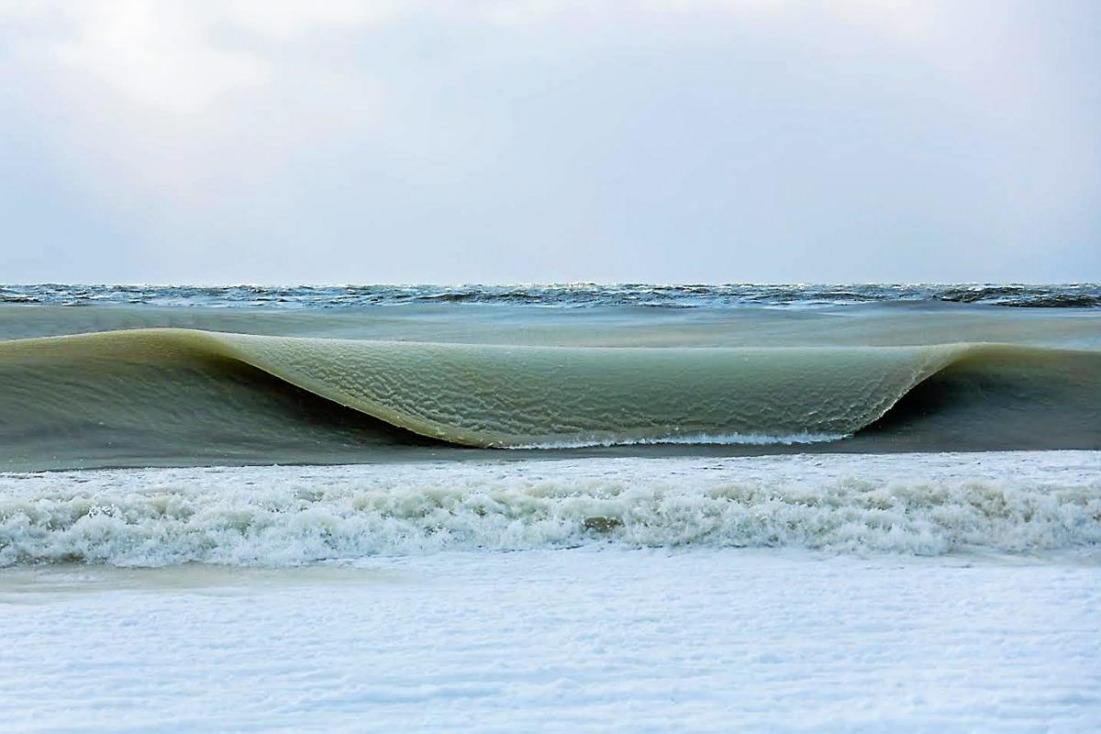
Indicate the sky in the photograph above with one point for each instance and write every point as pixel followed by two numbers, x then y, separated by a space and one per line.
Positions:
pixel 536 141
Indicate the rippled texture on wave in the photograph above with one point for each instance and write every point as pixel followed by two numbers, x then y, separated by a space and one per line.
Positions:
pixel 189 396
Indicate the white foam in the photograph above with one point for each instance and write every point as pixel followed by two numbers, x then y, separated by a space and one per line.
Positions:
pixel 279 516
pixel 697 439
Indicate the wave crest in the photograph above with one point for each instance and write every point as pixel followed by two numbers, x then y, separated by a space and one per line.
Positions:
pixel 197 389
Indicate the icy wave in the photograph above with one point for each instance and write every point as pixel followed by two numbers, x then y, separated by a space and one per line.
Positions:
pixel 488 395
pixel 285 516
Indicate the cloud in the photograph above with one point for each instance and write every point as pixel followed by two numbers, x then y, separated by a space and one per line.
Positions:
pixel 179 56
pixel 487 131
pixel 159 55
pixel 178 96
pixel 285 20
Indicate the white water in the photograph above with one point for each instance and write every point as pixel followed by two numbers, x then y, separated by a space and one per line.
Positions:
pixel 910 504
pixel 699 439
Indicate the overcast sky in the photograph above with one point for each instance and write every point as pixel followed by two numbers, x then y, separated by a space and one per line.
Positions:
pixel 332 141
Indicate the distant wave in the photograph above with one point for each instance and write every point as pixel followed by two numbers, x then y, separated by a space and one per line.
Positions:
pixel 281 516
pixel 186 393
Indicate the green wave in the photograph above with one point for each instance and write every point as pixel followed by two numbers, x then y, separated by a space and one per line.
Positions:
pixel 506 396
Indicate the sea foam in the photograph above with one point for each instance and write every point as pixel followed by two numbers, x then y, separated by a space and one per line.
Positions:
pixel 284 516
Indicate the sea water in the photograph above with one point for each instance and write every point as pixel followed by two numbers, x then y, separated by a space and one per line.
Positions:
pixel 565 507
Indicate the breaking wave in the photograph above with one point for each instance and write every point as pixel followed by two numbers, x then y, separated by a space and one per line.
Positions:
pixel 281 516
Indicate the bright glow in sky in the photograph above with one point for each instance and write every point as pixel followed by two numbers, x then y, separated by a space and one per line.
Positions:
pixel 332 141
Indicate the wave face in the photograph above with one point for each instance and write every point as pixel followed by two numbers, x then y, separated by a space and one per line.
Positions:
pixel 189 396
pixel 913 504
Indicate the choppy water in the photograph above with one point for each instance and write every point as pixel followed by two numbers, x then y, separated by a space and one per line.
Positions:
pixel 1085 295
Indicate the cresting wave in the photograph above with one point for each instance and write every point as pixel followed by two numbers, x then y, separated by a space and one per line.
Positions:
pixel 1030 502
pixel 501 396
pixel 196 391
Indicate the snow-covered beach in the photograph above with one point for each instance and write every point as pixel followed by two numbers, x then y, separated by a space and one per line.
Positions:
pixel 589 639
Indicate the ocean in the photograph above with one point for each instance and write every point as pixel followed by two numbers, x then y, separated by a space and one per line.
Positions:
pixel 566 507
